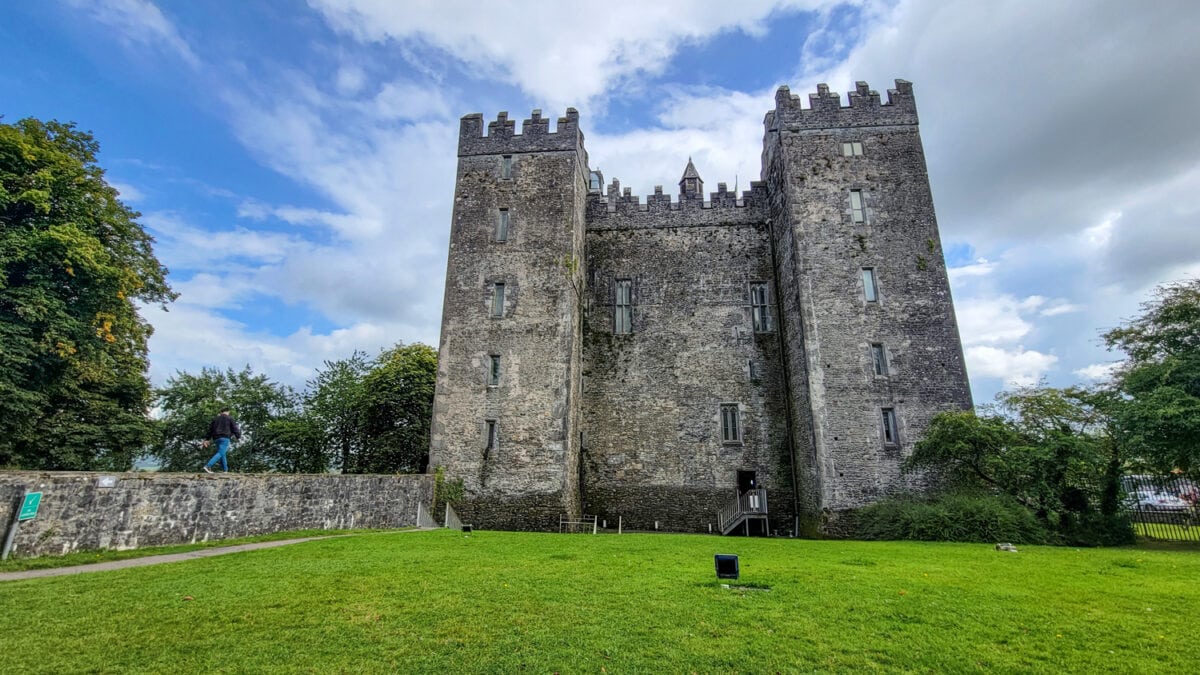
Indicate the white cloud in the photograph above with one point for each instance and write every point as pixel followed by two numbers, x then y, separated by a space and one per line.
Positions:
pixel 139 22
pixel 128 193
pixel 1097 372
pixel 993 320
pixel 560 53
pixel 979 268
pixel 1017 367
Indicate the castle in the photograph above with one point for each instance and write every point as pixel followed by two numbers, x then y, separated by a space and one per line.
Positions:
pixel 706 363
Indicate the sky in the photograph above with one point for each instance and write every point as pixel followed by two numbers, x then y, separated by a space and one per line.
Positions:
pixel 295 161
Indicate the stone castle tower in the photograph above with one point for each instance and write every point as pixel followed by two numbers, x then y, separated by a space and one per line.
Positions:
pixel 769 357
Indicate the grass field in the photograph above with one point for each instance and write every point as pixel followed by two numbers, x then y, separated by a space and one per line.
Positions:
pixel 18 563
pixel 497 601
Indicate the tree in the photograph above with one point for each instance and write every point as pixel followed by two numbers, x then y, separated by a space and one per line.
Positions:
pixel 1055 451
pixel 1160 381
pixel 398 403
pixel 334 404
pixel 265 411
pixel 73 263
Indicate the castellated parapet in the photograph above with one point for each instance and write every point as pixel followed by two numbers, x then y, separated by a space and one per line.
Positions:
pixel 651 360
pixel 502 137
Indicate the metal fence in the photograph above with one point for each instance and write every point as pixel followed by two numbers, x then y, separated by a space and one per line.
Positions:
pixel 584 524
pixel 1166 508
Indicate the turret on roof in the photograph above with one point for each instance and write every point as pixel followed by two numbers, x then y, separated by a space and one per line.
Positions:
pixel 691 186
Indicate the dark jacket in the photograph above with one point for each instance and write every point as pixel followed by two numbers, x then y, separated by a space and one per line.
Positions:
pixel 224 426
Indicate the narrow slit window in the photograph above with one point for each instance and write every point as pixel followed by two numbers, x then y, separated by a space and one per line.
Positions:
pixel 858 214
pixel 498 300
pixel 623 318
pixel 852 149
pixel 870 289
pixel 891 435
pixel 752 370
pixel 879 357
pixel 493 370
pixel 492 437
pixel 506 166
pixel 502 226
pixel 760 303
pixel 731 431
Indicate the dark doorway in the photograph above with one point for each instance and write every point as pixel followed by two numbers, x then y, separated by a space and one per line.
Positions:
pixel 747 480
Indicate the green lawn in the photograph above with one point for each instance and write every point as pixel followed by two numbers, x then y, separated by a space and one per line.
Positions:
pixel 499 601
pixel 18 562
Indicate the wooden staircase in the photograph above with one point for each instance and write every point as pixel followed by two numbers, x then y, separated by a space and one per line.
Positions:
pixel 749 505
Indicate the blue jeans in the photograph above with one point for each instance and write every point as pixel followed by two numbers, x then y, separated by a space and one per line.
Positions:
pixel 222 448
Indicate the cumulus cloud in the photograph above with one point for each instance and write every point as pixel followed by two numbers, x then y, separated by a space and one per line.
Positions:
pixel 139 23
pixel 1016 367
pixel 560 53
pixel 1097 372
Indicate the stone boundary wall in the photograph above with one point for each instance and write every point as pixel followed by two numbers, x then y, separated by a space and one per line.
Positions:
pixel 87 511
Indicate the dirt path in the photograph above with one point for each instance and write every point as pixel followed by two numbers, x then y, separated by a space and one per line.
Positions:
pixel 158 559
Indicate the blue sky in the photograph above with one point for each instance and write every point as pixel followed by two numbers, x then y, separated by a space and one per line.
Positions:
pixel 295 161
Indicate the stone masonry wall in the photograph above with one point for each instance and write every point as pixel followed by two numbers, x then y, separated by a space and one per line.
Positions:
pixel 79 512
pixel 653 450
pixel 535 403
pixel 913 316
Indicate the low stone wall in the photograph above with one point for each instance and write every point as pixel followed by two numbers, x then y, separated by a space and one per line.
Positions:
pixel 85 510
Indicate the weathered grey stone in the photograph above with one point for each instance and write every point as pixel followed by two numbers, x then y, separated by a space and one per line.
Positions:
pixel 638 436
pixel 151 509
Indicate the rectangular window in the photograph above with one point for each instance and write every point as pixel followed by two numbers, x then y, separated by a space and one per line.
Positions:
pixel 870 290
pixel 506 166
pixel 852 149
pixel 858 214
pixel 498 300
pixel 492 437
pixel 594 181
pixel 760 303
pixel 890 434
pixel 879 356
pixel 502 226
pixel 623 318
pixel 752 370
pixel 494 370
pixel 731 431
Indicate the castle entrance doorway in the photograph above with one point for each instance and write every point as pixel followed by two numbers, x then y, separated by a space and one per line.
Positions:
pixel 747 480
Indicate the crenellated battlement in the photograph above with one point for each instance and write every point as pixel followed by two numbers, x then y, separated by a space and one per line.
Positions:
pixel 825 109
pixel 502 136
pixel 618 200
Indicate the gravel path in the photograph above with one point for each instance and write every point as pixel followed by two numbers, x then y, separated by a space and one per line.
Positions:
pixel 157 559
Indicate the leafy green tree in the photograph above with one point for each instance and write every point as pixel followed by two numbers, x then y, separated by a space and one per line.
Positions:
pixel 73 263
pixel 334 404
pixel 398 403
pixel 189 402
pixel 1053 450
pixel 1160 381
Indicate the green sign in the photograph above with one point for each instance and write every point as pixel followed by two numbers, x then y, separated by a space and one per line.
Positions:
pixel 29 507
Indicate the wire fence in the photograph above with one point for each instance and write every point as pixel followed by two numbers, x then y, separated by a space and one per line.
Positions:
pixel 1164 508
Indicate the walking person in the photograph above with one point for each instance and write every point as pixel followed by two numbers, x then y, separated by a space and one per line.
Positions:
pixel 222 428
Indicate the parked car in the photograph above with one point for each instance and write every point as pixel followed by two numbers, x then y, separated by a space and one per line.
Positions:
pixel 1150 500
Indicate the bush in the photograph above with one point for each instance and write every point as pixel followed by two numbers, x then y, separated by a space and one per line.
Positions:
pixel 967 517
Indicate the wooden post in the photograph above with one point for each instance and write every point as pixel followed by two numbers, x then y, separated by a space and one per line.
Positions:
pixel 12 526
pixel 619 522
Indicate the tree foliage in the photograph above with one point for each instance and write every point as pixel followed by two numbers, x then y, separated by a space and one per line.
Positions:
pixel 1053 450
pixel 265 411
pixel 356 415
pixel 1160 382
pixel 73 262
pixel 398 400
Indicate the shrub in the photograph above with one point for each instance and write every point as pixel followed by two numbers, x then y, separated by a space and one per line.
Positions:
pixel 958 516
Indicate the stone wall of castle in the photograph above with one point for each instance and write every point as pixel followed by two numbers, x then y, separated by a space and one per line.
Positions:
pixel 654 451
pixel 908 317
pixel 82 511
pixel 829 400
pixel 511 431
